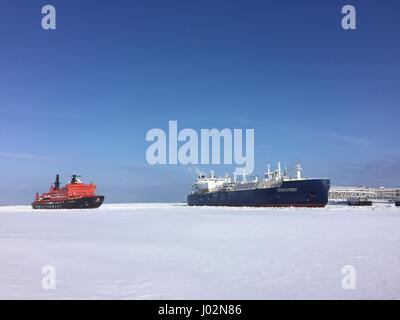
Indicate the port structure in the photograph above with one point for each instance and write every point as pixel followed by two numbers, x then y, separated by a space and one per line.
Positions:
pixel 341 193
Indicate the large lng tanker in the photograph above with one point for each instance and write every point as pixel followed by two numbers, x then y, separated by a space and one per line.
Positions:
pixel 277 189
pixel 75 195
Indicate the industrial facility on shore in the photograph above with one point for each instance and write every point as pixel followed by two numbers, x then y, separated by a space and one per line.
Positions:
pixel 382 193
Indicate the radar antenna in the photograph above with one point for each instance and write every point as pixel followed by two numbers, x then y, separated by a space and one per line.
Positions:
pixel 74 178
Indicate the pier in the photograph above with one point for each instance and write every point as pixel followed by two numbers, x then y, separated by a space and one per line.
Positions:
pixel 342 193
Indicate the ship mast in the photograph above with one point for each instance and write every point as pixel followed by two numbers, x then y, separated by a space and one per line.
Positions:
pixel 298 170
pixel 279 175
pixel 57 183
pixel 268 173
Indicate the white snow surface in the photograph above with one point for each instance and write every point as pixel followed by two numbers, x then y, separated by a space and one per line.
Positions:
pixel 171 251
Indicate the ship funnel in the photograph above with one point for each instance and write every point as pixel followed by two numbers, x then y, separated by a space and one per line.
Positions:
pixel 57 183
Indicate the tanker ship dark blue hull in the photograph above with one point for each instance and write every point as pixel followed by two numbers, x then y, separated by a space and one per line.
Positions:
pixel 291 193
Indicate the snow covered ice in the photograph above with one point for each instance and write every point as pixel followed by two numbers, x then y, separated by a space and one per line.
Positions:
pixel 171 251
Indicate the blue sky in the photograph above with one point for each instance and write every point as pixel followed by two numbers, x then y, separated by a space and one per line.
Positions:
pixel 80 99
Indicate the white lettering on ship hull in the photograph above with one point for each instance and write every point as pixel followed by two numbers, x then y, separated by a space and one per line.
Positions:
pixel 287 189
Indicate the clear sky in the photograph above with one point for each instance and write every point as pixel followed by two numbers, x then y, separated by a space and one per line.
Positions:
pixel 80 99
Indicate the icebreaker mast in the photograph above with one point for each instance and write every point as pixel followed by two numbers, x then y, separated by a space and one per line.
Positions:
pixel 57 183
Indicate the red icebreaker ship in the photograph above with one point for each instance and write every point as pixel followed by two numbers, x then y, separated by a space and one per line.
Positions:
pixel 75 195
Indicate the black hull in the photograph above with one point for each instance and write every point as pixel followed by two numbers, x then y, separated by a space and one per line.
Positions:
pixel 81 203
pixel 364 203
pixel 294 193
